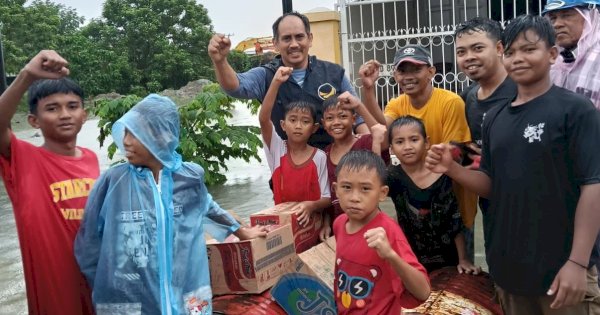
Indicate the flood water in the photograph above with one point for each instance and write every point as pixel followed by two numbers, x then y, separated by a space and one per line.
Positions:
pixel 245 192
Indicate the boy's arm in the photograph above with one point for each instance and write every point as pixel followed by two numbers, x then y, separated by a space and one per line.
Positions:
pixel 264 115
pixel 569 285
pixel 369 73
pixel 380 141
pixel 47 64
pixel 439 160
pixel 414 280
pixel 305 209
pixel 350 102
pixel 89 237
pixel 465 265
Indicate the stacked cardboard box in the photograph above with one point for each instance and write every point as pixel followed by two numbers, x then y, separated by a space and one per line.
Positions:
pixel 251 266
pixel 305 237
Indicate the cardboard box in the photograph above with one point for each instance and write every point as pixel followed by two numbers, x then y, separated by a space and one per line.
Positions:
pixel 251 266
pixel 305 237
pixel 319 262
pixel 308 288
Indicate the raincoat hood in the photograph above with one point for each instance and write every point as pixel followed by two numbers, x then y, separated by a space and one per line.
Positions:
pixel 154 121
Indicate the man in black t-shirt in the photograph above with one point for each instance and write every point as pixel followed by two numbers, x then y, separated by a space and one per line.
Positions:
pixel 479 55
pixel 541 172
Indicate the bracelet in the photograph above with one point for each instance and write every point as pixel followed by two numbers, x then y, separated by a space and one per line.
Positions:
pixel 578 264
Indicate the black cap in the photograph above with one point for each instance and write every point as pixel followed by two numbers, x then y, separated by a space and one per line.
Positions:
pixel 413 54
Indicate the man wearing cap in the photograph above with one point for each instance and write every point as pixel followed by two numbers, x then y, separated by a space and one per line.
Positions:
pixel 442 112
pixel 577 27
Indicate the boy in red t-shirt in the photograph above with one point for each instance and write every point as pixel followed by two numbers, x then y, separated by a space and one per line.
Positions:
pixel 48 185
pixel 299 170
pixel 376 271
pixel 338 121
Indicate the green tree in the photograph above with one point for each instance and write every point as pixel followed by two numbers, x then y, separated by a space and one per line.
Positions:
pixel 164 41
pixel 206 137
pixel 28 29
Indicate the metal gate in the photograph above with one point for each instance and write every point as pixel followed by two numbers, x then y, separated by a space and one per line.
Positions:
pixel 375 29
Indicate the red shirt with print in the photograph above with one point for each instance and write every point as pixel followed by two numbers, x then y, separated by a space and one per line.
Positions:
pixel 48 192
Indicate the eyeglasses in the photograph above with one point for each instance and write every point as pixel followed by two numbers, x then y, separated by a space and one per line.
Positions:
pixel 358 287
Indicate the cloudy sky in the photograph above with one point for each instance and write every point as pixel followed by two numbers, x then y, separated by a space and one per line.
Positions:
pixel 242 18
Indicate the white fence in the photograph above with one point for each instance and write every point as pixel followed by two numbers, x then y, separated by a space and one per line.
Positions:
pixel 375 29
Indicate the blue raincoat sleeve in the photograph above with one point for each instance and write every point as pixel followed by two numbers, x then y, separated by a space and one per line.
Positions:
pixel 89 236
pixel 218 222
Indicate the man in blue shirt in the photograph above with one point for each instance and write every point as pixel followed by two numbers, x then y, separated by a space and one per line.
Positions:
pixel 312 80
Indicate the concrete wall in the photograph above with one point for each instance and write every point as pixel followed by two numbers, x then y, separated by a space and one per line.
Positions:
pixel 325 26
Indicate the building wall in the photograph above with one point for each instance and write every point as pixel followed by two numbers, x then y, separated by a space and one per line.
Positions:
pixel 325 26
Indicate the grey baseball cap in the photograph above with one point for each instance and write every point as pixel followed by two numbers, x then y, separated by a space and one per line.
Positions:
pixel 413 54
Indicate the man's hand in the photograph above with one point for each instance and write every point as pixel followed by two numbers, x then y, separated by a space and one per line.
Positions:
pixel 377 239
pixel 369 73
pixel 218 48
pixel 569 285
pixel 47 64
pixel 439 158
pixel 283 74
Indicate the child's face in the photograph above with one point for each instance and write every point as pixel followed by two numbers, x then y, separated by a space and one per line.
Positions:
pixel 414 79
pixel 137 154
pixel 408 144
pixel 478 55
pixel 359 192
pixel 338 122
pixel 298 125
pixel 59 116
pixel 529 58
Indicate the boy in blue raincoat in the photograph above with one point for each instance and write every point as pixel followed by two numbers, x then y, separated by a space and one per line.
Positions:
pixel 141 244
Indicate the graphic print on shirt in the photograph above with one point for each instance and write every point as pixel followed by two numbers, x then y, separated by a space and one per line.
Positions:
pixel 133 252
pixel 326 90
pixel 355 283
pixel 71 189
pixel 198 307
pixel 534 132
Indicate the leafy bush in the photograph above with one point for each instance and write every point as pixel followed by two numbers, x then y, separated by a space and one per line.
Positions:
pixel 205 138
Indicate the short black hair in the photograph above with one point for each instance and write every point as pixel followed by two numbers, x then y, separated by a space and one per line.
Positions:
pixel 357 160
pixel 528 22
pixel 301 106
pixel 294 13
pixel 490 27
pixel 407 121
pixel 46 87
pixel 332 103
